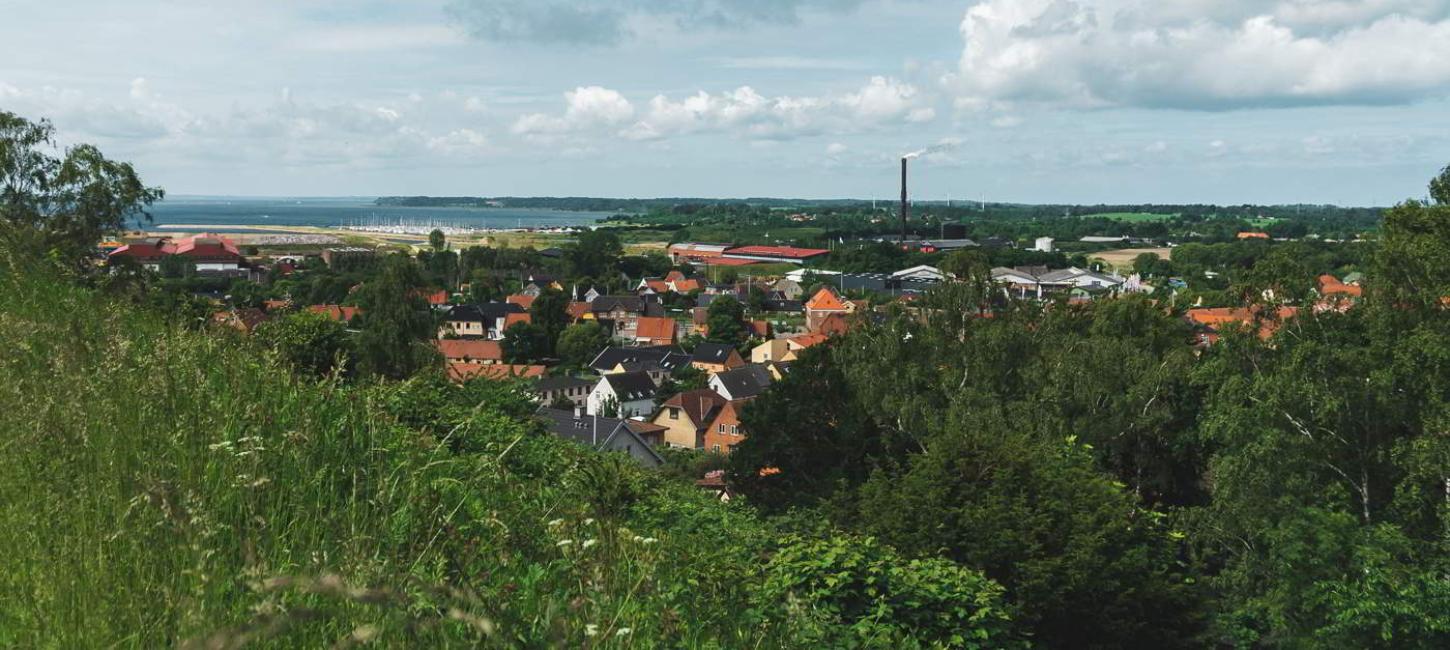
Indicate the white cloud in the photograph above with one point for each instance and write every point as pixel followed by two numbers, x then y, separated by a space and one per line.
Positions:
pixel 609 22
pixel 835 149
pixel 1204 55
pixel 742 112
pixel 587 107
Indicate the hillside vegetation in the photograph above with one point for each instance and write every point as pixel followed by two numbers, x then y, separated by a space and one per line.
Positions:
pixel 161 487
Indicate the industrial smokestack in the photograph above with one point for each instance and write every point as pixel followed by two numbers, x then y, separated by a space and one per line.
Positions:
pixel 905 207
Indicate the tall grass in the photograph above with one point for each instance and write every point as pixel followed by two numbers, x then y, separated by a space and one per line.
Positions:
pixel 163 487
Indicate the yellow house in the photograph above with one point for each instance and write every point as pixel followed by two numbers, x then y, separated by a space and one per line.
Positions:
pixel 772 350
pixel 686 415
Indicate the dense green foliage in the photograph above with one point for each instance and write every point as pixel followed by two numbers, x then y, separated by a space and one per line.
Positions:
pixel 1129 490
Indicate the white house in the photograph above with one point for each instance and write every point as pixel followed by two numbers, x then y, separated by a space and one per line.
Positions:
pixel 1044 244
pixel 632 392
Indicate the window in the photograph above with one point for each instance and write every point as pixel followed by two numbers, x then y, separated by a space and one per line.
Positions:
pixel 674 414
pixel 722 428
pixel 716 449
pixel 734 430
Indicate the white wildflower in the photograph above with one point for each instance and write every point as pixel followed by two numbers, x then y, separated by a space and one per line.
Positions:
pixel 588 542
pixel 564 542
pixel 648 540
pixel 556 523
pixel 591 629
pixel 589 521
pixel 623 631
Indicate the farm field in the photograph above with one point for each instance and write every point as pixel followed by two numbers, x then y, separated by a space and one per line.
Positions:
pixel 1122 260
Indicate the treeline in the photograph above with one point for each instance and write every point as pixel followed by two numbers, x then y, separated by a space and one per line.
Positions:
pixel 1129 490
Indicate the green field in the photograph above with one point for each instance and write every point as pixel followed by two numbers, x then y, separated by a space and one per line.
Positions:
pixel 1135 217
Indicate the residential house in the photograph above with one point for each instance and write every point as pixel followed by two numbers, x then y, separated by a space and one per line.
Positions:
pixel 714 484
pixel 669 358
pixel 521 300
pixel 685 417
pixel 242 319
pixel 480 351
pixel 656 330
pixel 824 303
pixel 712 357
pixel 488 320
pixel 744 382
pixel 626 394
pixel 552 389
pixel 340 313
pixel 599 433
pixel 495 371
pixel 790 289
pixel 1212 322
pixel 724 431
pixel 772 350
pixel 620 314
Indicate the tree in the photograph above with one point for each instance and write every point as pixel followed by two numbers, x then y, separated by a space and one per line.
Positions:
pixel 581 342
pixel 595 254
pixel 1082 564
pixel 396 322
pixel 856 592
pixel 550 312
pixel 1440 187
pixel 437 240
pixel 524 343
pixel 72 200
pixel 312 344
pixel 726 319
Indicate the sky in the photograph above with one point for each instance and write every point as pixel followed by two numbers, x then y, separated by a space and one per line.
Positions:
pixel 1039 101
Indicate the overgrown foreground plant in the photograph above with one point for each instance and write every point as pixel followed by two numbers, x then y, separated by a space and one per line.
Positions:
pixel 163 487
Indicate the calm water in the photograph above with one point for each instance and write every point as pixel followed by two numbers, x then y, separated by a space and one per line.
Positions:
pixel 331 212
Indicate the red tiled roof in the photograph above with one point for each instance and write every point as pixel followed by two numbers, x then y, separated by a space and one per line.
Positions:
pixel 688 285
pixel 1330 284
pixel 512 319
pixel 521 300
pixel 578 309
pixel 674 276
pixel 789 252
pixel 470 350
pixel 760 328
pixel 1216 317
pixel 1253 235
pixel 807 340
pixel 826 300
pixel 657 329
pixel 495 371
pixel 335 312
pixel 699 405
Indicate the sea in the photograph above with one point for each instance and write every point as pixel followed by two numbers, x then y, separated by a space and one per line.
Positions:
pixel 216 213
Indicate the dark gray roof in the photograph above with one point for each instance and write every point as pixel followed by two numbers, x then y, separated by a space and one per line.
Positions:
pixel 745 381
pixel 631 386
pixel 669 357
pixel 784 305
pixel 708 352
pixel 633 304
pixel 600 433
